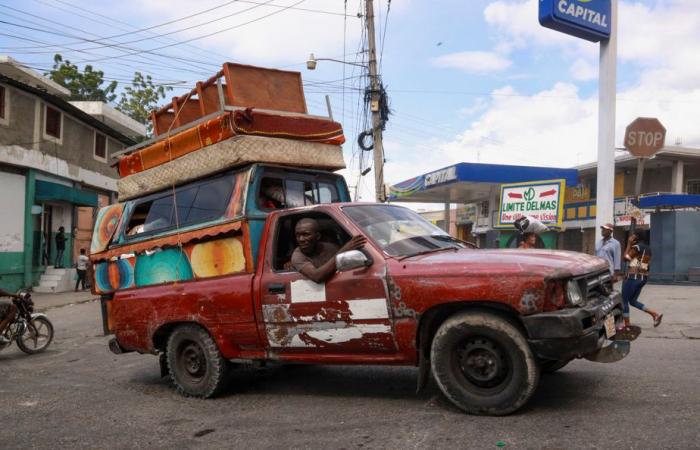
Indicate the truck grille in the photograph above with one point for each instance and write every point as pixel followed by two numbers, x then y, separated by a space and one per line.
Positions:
pixel 596 284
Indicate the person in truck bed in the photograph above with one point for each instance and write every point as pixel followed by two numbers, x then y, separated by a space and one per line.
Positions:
pixel 314 258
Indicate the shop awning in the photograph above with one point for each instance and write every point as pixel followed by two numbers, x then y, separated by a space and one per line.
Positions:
pixel 670 201
pixel 472 182
pixel 48 191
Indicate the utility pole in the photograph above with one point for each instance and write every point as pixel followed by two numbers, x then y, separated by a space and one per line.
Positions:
pixel 374 105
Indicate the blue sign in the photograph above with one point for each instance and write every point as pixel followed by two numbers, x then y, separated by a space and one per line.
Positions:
pixel 586 19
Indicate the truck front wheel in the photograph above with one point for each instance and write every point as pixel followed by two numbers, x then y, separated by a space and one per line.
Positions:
pixel 195 364
pixel 483 364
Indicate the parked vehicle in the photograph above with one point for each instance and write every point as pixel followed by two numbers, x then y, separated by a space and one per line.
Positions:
pixel 33 332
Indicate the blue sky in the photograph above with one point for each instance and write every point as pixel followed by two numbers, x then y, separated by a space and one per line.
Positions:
pixel 475 80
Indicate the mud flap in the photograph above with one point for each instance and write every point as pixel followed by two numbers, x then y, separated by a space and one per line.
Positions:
pixel 423 371
pixel 614 352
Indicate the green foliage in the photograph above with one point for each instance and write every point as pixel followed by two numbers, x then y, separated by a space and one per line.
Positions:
pixel 140 98
pixel 85 85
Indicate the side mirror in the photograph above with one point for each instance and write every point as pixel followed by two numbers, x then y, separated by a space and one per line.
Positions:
pixel 352 259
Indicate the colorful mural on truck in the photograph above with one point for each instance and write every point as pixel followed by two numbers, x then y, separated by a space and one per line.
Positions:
pixel 192 261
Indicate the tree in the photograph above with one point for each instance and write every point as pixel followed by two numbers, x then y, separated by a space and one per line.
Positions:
pixel 85 85
pixel 140 98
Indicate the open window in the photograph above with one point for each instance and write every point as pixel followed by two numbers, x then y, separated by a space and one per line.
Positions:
pixel 277 192
pixel 285 242
pixel 197 202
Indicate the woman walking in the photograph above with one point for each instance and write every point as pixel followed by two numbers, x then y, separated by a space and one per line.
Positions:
pixel 638 254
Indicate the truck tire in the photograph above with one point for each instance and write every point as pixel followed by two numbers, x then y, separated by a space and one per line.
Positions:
pixel 552 365
pixel 483 364
pixel 195 364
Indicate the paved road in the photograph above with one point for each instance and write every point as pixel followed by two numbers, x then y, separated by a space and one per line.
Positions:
pixel 78 395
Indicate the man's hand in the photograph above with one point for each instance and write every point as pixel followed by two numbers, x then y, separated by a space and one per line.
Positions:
pixel 356 243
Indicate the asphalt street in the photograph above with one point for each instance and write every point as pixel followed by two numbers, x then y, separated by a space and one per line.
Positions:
pixel 78 395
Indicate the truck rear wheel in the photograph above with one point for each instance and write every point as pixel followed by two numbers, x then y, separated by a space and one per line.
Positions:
pixel 195 364
pixel 483 364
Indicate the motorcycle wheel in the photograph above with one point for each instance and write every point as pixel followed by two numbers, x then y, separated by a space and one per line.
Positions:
pixel 37 337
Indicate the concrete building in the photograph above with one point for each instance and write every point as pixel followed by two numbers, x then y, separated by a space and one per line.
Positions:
pixel 54 171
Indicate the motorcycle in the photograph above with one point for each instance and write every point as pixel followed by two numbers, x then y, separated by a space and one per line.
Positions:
pixel 33 332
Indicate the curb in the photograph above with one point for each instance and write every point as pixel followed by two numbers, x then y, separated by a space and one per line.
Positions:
pixel 79 302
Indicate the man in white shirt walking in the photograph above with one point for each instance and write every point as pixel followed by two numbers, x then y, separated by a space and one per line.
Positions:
pixel 82 267
pixel 609 249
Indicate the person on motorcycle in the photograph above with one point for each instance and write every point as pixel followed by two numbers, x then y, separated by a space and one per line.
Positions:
pixel 7 313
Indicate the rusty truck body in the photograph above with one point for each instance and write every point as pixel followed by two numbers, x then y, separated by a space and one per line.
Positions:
pixel 196 269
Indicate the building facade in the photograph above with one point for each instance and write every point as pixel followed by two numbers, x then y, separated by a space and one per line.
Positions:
pixel 673 169
pixel 54 171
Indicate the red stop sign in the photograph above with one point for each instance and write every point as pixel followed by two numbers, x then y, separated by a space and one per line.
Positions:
pixel 644 137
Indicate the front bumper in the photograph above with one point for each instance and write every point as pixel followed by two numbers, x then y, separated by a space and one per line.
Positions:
pixel 572 332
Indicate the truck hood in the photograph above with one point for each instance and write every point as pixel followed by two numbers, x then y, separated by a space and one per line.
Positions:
pixel 548 263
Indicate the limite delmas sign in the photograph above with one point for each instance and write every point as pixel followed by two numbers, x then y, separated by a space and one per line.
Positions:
pixel 543 200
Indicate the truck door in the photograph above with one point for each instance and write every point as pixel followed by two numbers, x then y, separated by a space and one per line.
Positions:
pixel 348 314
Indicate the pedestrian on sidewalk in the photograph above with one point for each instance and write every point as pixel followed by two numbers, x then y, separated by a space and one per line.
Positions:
pixel 82 266
pixel 609 249
pixel 60 246
pixel 638 254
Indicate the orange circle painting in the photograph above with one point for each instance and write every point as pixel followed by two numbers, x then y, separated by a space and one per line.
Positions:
pixel 216 258
pixel 105 226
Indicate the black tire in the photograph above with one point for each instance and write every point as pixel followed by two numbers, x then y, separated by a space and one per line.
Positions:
pixel 483 364
pixel 552 365
pixel 37 337
pixel 195 364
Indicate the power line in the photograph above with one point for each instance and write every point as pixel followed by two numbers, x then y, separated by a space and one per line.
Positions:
pixel 203 36
pixel 123 43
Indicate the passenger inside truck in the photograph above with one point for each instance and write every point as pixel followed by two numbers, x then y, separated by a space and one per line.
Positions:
pixel 277 193
pixel 330 231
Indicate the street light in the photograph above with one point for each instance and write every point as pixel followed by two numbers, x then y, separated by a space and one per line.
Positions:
pixel 312 61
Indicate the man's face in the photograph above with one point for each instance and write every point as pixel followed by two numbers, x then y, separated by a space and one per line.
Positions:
pixel 605 232
pixel 532 239
pixel 307 236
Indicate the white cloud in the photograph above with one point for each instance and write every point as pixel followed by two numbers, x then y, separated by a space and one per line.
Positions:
pixel 478 62
pixel 583 70
pixel 263 34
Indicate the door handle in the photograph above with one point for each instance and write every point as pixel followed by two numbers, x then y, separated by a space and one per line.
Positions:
pixel 276 288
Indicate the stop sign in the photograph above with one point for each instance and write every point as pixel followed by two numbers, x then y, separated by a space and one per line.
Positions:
pixel 644 137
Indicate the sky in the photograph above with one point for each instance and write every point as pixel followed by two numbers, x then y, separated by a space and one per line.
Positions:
pixel 468 81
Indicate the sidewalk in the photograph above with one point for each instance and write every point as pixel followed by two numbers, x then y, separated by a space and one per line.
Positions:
pixel 42 302
pixel 680 306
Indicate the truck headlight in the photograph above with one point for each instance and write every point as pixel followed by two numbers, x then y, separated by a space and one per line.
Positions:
pixel 573 293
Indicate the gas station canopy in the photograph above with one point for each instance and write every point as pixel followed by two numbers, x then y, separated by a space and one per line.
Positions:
pixel 471 182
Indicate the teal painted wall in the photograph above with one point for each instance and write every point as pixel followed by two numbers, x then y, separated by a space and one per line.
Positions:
pixel 12 271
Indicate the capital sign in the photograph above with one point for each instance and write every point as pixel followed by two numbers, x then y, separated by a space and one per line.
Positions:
pixel 586 19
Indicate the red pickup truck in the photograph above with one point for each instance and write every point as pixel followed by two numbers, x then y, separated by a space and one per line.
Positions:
pixel 484 322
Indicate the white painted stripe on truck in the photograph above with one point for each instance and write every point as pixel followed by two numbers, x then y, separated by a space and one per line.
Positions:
pixel 368 308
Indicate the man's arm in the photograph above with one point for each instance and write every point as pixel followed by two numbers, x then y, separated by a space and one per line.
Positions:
pixel 327 269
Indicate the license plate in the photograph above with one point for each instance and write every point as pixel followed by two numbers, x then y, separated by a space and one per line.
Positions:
pixel 610 326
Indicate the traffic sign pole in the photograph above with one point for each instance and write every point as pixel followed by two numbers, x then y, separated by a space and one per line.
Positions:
pixel 607 77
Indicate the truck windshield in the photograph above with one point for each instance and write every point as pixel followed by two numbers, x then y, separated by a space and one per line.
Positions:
pixel 399 231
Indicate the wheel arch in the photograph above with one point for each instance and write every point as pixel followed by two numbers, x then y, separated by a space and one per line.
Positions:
pixel 431 320
pixel 161 334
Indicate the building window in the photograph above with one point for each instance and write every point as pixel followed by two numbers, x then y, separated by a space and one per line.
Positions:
pixel 484 209
pixel 100 151
pixel 53 123
pixel 4 106
pixel 693 187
